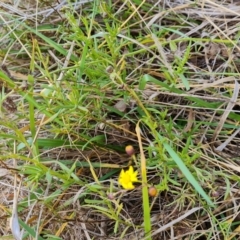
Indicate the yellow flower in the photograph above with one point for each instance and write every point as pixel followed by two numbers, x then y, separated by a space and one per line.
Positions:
pixel 126 178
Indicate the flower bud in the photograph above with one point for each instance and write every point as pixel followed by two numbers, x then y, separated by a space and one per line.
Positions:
pixel 129 150
pixel 152 191
pixel 215 194
pixel 109 69
pixel 111 196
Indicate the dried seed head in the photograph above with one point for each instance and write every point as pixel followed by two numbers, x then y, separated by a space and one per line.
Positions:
pixel 129 150
pixel 121 106
pixel 152 191
pixel 111 196
pixel 109 69
pixel 215 194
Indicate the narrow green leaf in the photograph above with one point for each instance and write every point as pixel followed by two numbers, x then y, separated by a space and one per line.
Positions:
pixel 29 230
pixel 53 44
pixel 184 81
pixel 188 174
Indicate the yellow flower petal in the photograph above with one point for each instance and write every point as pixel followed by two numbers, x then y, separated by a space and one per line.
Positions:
pixel 126 178
pixel 133 174
pixel 128 186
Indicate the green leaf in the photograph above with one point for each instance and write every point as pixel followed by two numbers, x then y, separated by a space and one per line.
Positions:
pixel 53 44
pixel 29 230
pixel 184 81
pixel 188 174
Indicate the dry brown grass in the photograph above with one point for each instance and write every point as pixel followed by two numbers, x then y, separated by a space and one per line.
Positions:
pixel 206 115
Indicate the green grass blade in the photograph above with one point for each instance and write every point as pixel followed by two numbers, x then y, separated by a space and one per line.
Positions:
pixel 29 230
pixel 188 174
pixel 53 44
